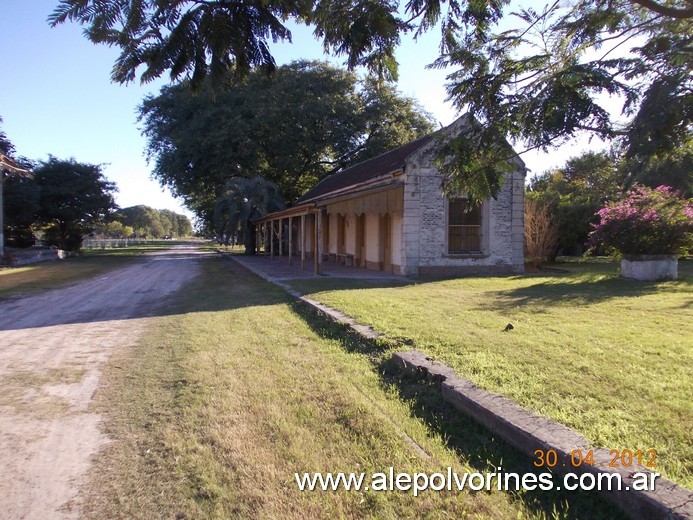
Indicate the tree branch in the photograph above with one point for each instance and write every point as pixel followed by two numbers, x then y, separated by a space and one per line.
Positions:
pixel 610 132
pixel 664 10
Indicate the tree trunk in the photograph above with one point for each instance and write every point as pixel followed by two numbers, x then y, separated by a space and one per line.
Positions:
pixel 249 237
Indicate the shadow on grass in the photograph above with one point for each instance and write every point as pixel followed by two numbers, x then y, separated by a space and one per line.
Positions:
pixel 578 290
pixel 570 292
pixel 572 283
pixel 474 444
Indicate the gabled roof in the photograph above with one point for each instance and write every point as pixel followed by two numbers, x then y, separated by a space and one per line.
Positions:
pixel 364 171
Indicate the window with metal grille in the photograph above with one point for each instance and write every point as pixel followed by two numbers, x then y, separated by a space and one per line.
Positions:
pixel 464 227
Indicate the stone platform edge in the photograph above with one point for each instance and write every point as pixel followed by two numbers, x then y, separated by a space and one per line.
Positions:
pixel 523 429
pixel 528 431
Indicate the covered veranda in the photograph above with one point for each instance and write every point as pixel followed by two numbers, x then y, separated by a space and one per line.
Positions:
pixel 360 229
pixel 291 235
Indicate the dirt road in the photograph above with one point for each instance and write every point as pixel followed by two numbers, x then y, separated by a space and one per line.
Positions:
pixel 53 347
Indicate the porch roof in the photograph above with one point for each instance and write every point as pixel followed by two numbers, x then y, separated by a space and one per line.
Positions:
pixel 372 174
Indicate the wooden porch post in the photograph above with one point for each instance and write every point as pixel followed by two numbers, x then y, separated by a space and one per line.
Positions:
pixel 291 240
pixel 265 245
pixel 303 241
pixel 281 228
pixel 271 235
pixel 318 242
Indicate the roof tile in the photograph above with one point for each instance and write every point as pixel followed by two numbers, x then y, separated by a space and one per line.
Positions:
pixel 366 170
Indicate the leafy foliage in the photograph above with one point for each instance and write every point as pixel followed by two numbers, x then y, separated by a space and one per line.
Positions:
pixel 20 199
pixel 309 120
pixel 195 39
pixel 539 83
pixel 575 192
pixel 21 202
pixel 544 80
pixel 148 222
pixel 73 198
pixel 6 146
pixel 242 201
pixel 671 168
pixel 646 221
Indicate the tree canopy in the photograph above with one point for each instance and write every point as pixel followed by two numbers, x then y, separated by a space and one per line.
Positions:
pixel 73 198
pixel 535 76
pixel 6 146
pixel 308 120
pixel 556 72
pixel 575 192
pixel 21 202
pixel 196 39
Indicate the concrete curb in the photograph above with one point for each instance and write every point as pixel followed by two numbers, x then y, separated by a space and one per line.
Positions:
pixel 523 429
pixel 528 431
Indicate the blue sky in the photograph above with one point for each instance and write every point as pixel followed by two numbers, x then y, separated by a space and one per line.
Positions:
pixel 56 98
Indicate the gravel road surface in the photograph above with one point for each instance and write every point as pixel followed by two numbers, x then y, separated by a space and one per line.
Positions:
pixel 53 347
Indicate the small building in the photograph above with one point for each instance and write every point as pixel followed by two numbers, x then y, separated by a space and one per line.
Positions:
pixel 389 214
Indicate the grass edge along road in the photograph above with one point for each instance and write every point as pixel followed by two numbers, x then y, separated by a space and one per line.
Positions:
pixel 608 357
pixel 235 389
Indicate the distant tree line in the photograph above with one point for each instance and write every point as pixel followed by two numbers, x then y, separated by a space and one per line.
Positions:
pixel 145 222
pixel 62 201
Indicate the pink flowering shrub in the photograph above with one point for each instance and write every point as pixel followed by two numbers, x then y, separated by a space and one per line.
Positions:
pixel 646 222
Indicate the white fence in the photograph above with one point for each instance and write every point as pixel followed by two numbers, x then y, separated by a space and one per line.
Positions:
pixel 112 243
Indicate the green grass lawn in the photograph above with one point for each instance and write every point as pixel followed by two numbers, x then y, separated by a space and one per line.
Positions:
pixel 608 357
pixel 15 281
pixel 234 389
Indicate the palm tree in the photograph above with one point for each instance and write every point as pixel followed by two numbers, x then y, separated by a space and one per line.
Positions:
pixel 243 200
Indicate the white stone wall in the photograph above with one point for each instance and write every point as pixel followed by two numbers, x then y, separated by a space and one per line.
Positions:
pixel 424 230
pixel 333 234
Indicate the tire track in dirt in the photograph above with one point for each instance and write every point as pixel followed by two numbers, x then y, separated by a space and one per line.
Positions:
pixel 53 347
